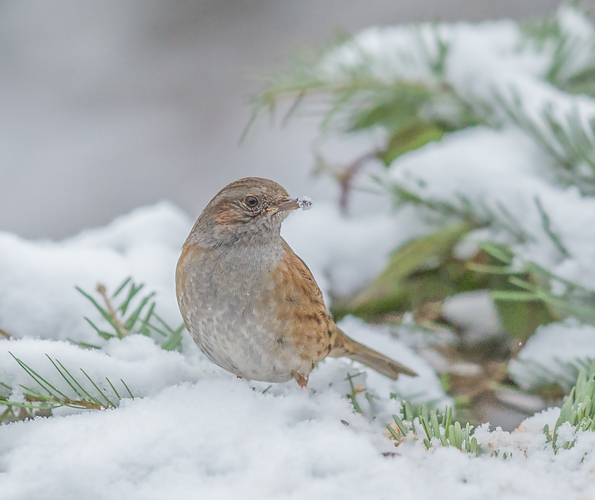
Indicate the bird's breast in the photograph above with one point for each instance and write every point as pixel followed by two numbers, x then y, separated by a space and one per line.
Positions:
pixel 227 299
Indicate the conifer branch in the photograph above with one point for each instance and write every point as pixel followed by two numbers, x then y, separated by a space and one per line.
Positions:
pixel 126 319
pixel 35 402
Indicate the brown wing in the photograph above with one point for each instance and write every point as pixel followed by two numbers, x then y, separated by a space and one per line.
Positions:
pixel 305 322
pixel 304 319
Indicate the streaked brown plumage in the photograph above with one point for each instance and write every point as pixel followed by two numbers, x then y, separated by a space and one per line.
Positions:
pixel 250 303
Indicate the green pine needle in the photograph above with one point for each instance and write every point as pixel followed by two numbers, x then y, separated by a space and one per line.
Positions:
pixel 36 401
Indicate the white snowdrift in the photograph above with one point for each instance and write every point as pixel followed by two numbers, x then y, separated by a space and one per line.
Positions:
pixel 194 429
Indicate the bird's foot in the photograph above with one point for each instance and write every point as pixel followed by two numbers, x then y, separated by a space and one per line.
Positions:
pixel 300 379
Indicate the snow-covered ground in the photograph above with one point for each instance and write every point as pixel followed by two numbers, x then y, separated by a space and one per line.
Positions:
pixel 180 446
pixel 194 430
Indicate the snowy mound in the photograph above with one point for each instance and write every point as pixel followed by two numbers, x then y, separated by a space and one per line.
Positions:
pixel 187 417
pixel 193 427
pixel 37 295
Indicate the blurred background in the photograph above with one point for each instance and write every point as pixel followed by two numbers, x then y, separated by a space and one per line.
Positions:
pixel 110 105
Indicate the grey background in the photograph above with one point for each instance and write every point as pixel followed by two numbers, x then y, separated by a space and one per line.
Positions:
pixel 108 105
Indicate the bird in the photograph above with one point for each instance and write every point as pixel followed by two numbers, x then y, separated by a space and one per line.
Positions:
pixel 249 302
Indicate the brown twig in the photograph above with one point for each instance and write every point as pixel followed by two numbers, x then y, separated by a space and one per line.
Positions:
pixel 119 326
pixel 4 333
pixel 346 178
pixel 89 405
pixel 299 98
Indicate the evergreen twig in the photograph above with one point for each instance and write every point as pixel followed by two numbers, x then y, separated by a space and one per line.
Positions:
pixel 39 403
pixel 126 319
pixel 569 141
pixel 572 60
pixel 122 332
pixel 478 214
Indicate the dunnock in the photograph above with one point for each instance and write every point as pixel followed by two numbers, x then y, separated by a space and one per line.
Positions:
pixel 249 302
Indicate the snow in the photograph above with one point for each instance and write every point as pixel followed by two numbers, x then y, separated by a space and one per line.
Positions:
pixel 555 345
pixel 184 428
pixel 491 167
pixel 473 312
pixel 217 438
pixel 193 429
pixel 510 176
pixel 37 296
pixel 562 341
pixel 424 387
pixel 355 249
pixel 504 167
pixel 304 202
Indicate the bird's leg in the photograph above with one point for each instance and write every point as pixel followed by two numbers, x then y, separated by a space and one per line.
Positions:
pixel 300 379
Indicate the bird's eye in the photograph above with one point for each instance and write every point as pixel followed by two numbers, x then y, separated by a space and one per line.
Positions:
pixel 251 201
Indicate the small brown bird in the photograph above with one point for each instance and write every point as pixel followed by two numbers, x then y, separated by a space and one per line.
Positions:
pixel 249 302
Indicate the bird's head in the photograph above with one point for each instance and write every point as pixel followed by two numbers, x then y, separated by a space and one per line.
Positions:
pixel 249 210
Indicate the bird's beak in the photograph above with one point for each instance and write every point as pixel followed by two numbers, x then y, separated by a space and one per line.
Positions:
pixel 286 205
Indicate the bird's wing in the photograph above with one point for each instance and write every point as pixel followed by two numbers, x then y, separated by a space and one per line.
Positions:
pixel 309 326
pixel 304 319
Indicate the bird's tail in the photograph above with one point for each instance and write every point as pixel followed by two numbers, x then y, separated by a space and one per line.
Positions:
pixel 344 346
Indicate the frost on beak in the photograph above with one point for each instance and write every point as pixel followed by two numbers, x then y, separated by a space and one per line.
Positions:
pixel 287 204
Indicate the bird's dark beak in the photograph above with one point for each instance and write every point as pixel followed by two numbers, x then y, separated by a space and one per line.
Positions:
pixel 286 205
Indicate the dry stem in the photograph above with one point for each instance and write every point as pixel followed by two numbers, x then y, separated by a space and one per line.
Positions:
pixel 102 291
pixel 346 178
